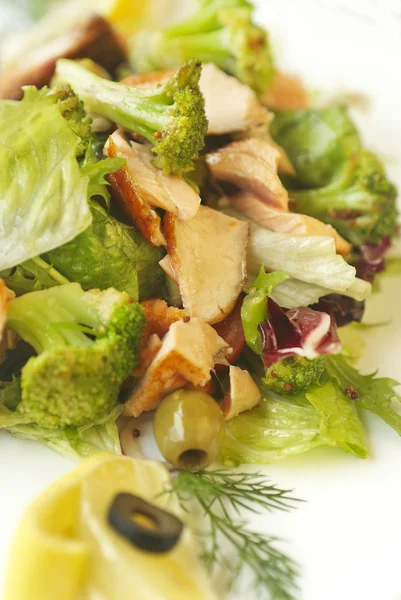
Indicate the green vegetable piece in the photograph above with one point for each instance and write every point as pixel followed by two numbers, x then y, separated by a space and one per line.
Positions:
pixel 254 308
pixel 111 254
pixel 43 194
pixel 170 116
pixel 87 344
pixel 74 442
pixel 316 141
pixel 280 427
pixel 32 275
pixel 188 428
pixel 340 425
pixel 294 375
pixel 221 32
pixel 337 180
pixel 72 110
pixel 359 201
pixel 375 394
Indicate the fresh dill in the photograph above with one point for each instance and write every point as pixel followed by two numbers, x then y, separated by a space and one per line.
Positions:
pixel 221 495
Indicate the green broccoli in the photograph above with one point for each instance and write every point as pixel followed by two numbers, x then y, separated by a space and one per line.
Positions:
pixel 220 32
pixel 336 181
pixel 72 109
pixel 359 201
pixel 87 345
pixel 171 116
pixel 294 375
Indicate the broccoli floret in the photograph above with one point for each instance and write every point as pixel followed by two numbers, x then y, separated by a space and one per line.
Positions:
pixel 172 116
pixel 72 109
pixel 87 345
pixel 294 375
pixel 220 32
pixel 359 202
pixel 336 181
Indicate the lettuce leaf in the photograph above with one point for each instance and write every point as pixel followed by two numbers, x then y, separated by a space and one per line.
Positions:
pixel 293 292
pixel 340 425
pixel 254 307
pixel 43 193
pixel 111 254
pixel 75 443
pixel 375 394
pixel 279 428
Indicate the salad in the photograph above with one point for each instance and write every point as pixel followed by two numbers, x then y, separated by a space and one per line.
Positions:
pixel 185 238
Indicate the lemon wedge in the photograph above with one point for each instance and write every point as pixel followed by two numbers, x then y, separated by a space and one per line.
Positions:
pixel 65 549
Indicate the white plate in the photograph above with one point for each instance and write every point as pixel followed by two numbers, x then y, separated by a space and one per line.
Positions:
pixel 347 536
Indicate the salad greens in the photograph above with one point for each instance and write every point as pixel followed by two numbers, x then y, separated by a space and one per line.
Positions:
pixel 375 394
pixel 282 427
pixel 111 254
pixel 336 179
pixel 43 192
pixel 254 307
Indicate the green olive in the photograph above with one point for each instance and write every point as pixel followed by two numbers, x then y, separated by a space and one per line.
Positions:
pixel 188 428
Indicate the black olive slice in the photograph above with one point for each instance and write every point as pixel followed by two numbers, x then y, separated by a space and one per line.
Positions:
pixel 145 525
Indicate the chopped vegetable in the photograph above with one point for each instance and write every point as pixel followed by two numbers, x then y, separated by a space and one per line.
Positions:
pixel 110 254
pixel 171 117
pixel 297 332
pixel 87 344
pixel 220 32
pixel 279 428
pixel 255 308
pixel 336 181
pixel 41 178
pixel 317 141
pixel 376 394
pixel 294 375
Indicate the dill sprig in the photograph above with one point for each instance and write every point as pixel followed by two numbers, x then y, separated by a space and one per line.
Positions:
pixel 220 494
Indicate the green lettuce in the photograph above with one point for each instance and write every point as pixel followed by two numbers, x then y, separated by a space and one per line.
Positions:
pixel 339 425
pixel 254 307
pixel 111 254
pixel 43 193
pixel 317 141
pixel 375 394
pixel 279 428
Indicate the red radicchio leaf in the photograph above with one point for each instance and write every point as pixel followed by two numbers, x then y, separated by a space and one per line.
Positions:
pixel 297 332
pixel 371 260
pixel 344 309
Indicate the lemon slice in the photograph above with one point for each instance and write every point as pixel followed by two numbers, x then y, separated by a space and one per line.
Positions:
pixel 65 549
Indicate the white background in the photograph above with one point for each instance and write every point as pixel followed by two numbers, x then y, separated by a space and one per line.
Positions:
pixel 347 537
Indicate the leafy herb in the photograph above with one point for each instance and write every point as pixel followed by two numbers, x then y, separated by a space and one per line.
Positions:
pixel 220 494
pixel 372 393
